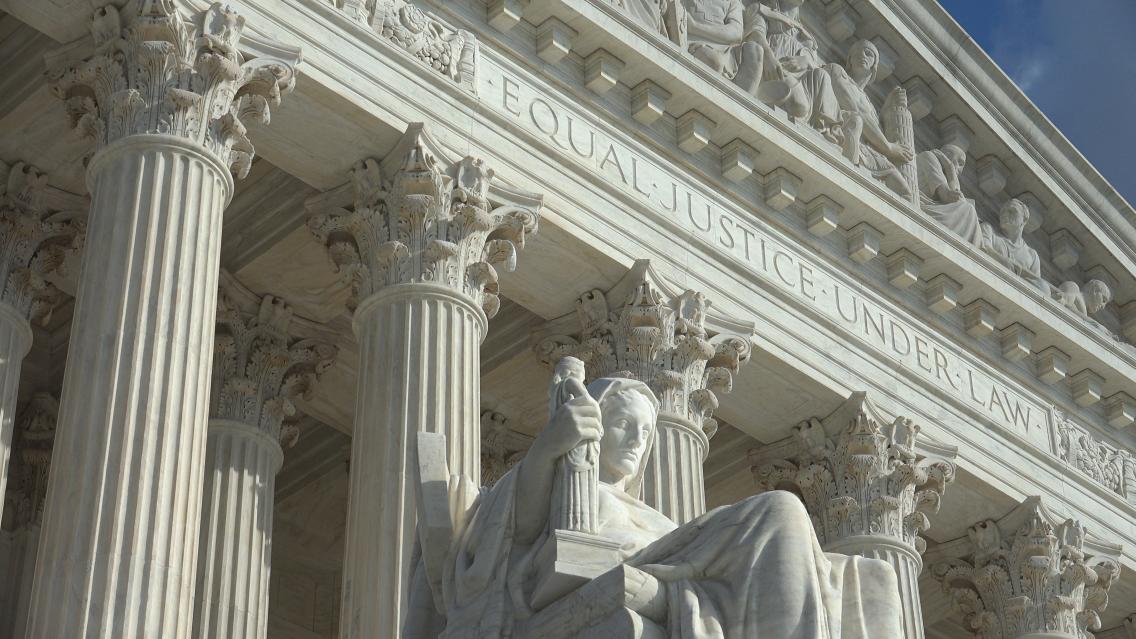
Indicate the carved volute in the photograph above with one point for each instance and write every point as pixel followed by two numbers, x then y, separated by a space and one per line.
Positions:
pixel 639 332
pixel 35 239
pixel 154 70
pixel 1030 572
pixel 859 475
pixel 412 221
pixel 258 367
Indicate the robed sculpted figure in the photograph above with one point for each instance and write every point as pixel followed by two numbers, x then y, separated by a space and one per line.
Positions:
pixel 752 570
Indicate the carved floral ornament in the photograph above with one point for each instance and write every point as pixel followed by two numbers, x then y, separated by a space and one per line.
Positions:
pixel 414 221
pixel 259 368
pixel 31 458
pixel 1030 572
pixel 152 70
pixel 640 332
pixel 35 240
pixel 859 474
pixel 1109 466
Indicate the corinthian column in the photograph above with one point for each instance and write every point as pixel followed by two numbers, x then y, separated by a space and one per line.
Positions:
pixel 666 340
pixel 1029 575
pixel 163 97
pixel 34 240
pixel 865 488
pixel 258 369
pixel 419 246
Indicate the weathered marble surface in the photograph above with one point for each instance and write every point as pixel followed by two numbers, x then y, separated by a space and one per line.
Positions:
pixel 754 569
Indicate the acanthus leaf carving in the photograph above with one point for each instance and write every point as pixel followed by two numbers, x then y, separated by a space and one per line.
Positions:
pixel 662 339
pixel 153 70
pixel 1030 572
pixel 415 223
pixel 35 242
pixel 259 368
pixel 859 474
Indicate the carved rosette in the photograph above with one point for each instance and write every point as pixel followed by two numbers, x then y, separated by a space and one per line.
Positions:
pixel 35 435
pixel 663 342
pixel 34 242
pixel 155 71
pixel 1034 578
pixel 421 225
pixel 867 480
pixel 258 368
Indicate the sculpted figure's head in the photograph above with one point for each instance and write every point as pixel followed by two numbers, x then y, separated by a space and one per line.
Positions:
pixel 1013 217
pixel 956 155
pixel 629 409
pixel 1097 295
pixel 863 62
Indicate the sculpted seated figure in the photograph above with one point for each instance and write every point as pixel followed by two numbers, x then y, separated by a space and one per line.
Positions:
pixel 941 196
pixel 1011 248
pixel 861 134
pixel 753 570
pixel 1084 301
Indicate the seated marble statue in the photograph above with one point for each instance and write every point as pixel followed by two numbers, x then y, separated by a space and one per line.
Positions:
pixel 941 196
pixel 861 133
pixel 1084 301
pixel 1010 248
pixel 656 15
pixel 753 570
pixel 716 34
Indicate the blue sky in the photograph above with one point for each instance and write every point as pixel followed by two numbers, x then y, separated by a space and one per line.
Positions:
pixel 1076 59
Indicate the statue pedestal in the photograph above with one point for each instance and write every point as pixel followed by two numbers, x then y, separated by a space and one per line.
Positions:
pixel 567 561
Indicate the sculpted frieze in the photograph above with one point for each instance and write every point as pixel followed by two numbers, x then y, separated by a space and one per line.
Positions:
pixel 767 49
pixel 681 206
pixel 1111 467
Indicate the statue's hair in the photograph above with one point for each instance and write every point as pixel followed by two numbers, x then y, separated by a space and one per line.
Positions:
pixel 1014 203
pixel 1105 291
pixel 869 45
pixel 950 149
pixel 605 389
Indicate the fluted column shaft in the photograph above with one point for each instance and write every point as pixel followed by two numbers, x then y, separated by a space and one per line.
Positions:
pixel 674 483
pixel 119 547
pixel 907 564
pixel 419 370
pixel 15 341
pixel 235 556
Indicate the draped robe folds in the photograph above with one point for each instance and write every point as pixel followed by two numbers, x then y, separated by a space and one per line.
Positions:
pixel 1018 256
pixel 752 570
pixel 936 172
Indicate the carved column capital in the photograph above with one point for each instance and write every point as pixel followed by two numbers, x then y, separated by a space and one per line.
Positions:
pixel 1029 573
pixel 859 475
pixel 410 219
pixel 259 367
pixel 153 70
pixel 36 238
pixel 35 434
pixel 666 339
pixel 501 446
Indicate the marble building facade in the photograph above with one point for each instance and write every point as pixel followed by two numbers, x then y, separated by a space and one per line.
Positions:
pixel 285 283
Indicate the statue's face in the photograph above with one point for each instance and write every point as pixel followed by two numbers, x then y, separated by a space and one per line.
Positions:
pixel 862 59
pixel 1095 298
pixel 628 420
pixel 1013 219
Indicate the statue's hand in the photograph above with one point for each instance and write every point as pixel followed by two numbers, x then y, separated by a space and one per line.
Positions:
pixel 899 153
pixel 575 422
